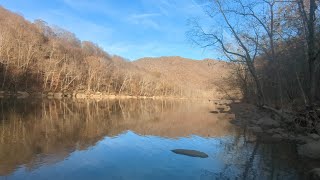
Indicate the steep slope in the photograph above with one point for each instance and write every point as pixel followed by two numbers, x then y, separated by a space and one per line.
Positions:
pixel 202 77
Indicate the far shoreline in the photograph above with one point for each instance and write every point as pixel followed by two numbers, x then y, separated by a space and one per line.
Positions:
pixel 93 95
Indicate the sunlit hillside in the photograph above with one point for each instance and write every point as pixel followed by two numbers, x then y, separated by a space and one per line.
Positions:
pixel 36 57
pixel 206 76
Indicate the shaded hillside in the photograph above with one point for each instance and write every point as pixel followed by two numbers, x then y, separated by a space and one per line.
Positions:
pixel 201 77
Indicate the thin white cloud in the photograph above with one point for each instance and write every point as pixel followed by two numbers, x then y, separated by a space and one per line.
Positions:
pixel 145 19
pixel 145 15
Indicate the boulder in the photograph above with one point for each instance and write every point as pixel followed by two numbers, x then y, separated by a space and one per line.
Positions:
pixel 277 136
pixel 268 122
pixel 314 136
pixel 192 153
pixel 256 129
pixel 81 96
pixel 285 135
pixel 314 174
pixel 303 139
pixel 310 150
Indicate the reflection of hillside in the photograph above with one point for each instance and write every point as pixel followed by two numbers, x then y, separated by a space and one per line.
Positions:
pixel 48 131
pixel 176 123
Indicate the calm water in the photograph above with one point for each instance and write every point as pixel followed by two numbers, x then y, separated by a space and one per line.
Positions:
pixel 132 139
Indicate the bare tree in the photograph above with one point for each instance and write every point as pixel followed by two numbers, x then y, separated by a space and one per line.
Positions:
pixel 307 10
pixel 245 44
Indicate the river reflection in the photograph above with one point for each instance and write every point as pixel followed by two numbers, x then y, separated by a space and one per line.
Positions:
pixel 132 139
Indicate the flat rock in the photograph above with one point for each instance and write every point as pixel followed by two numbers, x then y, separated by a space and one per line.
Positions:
pixel 192 153
pixel 310 150
pixel 268 122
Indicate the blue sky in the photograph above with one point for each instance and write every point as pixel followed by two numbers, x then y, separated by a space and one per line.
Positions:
pixel 129 28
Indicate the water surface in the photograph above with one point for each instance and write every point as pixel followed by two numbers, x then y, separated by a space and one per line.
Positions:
pixel 133 139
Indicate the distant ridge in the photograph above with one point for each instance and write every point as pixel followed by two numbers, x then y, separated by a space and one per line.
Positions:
pixel 201 75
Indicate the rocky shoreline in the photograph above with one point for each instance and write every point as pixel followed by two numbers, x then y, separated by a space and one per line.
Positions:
pixel 268 126
pixel 78 95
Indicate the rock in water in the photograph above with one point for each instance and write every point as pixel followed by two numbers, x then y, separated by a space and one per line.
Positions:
pixel 192 153
pixel 314 174
pixel 311 150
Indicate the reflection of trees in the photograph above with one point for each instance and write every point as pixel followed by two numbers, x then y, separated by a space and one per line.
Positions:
pixel 245 159
pixel 50 129
pixel 32 133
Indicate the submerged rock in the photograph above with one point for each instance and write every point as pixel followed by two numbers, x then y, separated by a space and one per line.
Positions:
pixel 311 150
pixel 192 153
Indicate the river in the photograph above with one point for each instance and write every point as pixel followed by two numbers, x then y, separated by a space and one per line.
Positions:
pixel 133 139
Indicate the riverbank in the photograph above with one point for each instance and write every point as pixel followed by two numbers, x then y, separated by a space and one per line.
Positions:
pixel 81 95
pixel 269 127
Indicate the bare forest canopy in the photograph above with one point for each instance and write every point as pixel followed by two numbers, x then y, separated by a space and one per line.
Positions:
pixel 36 57
pixel 274 46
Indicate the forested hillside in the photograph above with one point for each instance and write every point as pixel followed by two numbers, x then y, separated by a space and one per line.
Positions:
pixel 36 57
pixel 196 78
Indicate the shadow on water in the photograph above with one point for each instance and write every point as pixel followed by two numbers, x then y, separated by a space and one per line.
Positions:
pixel 133 139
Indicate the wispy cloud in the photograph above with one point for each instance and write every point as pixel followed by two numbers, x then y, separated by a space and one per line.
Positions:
pixel 145 19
